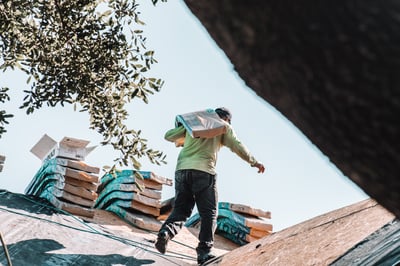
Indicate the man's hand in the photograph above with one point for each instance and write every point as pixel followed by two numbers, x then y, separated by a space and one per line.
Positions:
pixel 260 167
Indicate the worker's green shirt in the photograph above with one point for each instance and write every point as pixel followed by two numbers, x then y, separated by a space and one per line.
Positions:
pixel 201 153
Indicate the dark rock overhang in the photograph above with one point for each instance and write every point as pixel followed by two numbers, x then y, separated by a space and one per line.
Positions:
pixel 332 68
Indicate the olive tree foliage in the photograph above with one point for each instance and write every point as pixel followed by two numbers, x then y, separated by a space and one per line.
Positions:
pixel 3 115
pixel 91 54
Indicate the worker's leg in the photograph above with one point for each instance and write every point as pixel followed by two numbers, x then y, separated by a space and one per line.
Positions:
pixel 206 196
pixel 183 207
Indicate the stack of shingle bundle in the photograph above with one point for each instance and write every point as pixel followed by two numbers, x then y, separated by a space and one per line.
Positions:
pixel 2 160
pixel 239 223
pixel 135 196
pixel 64 178
pixel 69 185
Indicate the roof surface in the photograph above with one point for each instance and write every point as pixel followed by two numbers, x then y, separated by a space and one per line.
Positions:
pixel 36 233
pixel 318 241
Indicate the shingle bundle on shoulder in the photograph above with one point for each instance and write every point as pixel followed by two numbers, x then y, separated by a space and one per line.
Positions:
pixel 64 179
pixel 239 223
pixel 135 196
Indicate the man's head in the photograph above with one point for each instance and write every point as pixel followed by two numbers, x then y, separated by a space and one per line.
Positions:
pixel 224 114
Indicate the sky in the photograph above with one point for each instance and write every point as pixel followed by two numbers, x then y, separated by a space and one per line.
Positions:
pixel 299 182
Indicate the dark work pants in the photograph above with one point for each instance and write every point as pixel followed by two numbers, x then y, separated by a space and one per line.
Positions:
pixel 194 187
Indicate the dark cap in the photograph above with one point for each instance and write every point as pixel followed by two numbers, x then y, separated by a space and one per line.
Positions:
pixel 224 112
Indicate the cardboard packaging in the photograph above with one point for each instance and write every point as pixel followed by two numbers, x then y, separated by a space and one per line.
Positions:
pixel 70 148
pixel 202 124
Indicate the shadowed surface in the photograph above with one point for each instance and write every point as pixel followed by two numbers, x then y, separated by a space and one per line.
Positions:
pixel 331 68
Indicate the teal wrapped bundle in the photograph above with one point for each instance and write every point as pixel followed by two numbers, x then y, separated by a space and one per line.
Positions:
pixel 236 232
pixel 67 184
pixel 133 195
pixel 241 226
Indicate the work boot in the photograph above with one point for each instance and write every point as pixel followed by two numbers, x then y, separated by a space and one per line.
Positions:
pixel 204 255
pixel 162 241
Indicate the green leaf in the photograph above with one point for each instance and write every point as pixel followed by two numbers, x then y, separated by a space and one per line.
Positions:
pixel 74 55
